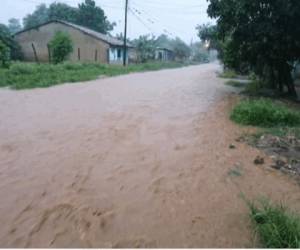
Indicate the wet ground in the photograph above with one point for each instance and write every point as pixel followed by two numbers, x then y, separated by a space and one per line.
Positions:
pixel 141 160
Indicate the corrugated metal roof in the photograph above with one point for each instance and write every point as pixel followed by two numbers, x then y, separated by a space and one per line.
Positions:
pixel 105 38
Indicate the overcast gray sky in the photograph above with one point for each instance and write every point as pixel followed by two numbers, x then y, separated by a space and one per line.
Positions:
pixel 173 17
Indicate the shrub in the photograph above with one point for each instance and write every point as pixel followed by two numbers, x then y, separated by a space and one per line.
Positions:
pixel 264 113
pixel 22 68
pixel 61 47
pixel 228 74
pixel 236 84
pixel 72 66
pixel 11 43
pixel 276 226
pixel 4 55
pixel 254 87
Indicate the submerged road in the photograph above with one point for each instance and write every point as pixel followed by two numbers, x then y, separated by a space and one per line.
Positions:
pixel 140 160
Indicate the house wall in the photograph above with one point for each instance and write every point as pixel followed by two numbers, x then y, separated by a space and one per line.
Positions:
pixel 163 55
pixel 41 36
pixel 116 55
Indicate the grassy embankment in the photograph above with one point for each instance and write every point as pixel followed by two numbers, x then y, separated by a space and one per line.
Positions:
pixel 29 75
pixel 271 116
pixel 275 225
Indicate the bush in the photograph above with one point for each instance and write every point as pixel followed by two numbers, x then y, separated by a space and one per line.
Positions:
pixel 61 47
pixel 264 113
pixel 236 84
pixel 23 69
pixel 277 227
pixel 254 87
pixel 228 74
pixel 4 55
pixel 11 43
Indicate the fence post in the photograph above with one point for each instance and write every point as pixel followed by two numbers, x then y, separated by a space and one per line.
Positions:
pixel 49 52
pixel 78 54
pixel 35 54
pixel 96 55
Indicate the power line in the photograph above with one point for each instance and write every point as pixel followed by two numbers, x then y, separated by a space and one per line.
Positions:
pixel 155 20
pixel 140 20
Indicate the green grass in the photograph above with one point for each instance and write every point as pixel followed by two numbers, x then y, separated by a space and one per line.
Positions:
pixel 30 75
pixel 228 74
pixel 236 84
pixel 276 226
pixel 265 113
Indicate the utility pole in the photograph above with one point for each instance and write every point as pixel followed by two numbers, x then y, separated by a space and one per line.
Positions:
pixel 125 35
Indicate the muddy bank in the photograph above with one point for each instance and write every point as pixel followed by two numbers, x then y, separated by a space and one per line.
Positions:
pixel 284 151
pixel 135 161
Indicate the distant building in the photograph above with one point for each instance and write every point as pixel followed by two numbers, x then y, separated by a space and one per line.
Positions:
pixel 89 45
pixel 164 54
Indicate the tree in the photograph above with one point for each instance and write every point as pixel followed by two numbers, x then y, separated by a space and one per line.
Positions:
pixel 164 41
pixel 181 49
pixel 199 52
pixel 62 11
pixel 39 16
pixel 14 25
pixel 265 34
pixel 61 47
pixel 87 14
pixel 209 33
pixel 4 54
pixel 145 46
pixel 93 17
pixel 7 39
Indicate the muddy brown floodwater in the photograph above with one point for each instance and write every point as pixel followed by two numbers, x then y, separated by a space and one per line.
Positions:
pixel 140 160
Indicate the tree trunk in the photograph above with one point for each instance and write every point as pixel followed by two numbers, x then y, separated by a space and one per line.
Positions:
pixel 288 80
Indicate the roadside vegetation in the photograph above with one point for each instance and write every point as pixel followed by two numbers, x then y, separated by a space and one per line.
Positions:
pixel 236 83
pixel 275 225
pixel 231 74
pixel 264 112
pixel 271 50
pixel 31 75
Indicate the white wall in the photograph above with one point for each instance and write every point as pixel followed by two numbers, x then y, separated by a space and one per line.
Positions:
pixel 114 56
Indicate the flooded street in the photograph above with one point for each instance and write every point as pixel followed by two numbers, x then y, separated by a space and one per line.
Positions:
pixel 141 160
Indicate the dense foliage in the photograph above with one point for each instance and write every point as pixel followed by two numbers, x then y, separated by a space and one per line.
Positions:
pixel 87 14
pixel 209 33
pixel 264 35
pixel 147 44
pixel 91 16
pixel 14 25
pixel 4 55
pixel 61 47
pixel 181 49
pixel 7 39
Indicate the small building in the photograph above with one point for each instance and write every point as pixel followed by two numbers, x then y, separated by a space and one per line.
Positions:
pixel 164 54
pixel 89 45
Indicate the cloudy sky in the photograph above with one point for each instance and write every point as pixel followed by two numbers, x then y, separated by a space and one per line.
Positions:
pixel 172 17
